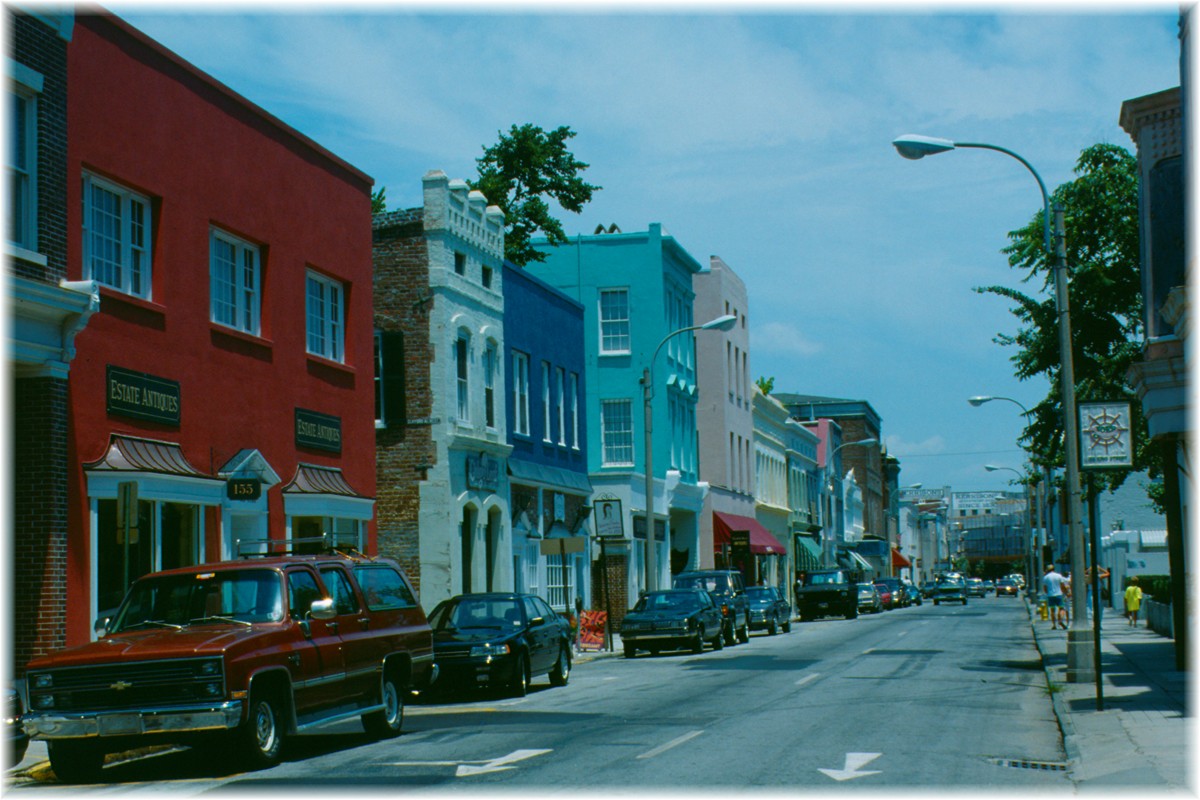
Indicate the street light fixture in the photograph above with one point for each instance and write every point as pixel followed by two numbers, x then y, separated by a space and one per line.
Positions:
pixel 1080 659
pixel 724 322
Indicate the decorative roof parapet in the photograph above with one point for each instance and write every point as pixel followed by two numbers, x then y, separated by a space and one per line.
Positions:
pixel 451 206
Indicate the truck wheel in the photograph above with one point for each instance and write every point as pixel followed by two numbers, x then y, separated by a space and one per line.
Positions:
pixel 698 642
pixel 743 634
pixel 386 723
pixel 261 735
pixel 772 628
pixel 75 761
pixel 630 650
pixel 852 613
pixel 730 637
pixel 718 642
pixel 787 625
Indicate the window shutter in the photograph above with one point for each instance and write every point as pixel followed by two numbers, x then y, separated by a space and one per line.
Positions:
pixel 395 406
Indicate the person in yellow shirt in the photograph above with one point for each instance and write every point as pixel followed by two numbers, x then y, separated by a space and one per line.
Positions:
pixel 1133 601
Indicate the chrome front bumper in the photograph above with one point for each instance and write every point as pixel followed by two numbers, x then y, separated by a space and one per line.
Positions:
pixel 177 719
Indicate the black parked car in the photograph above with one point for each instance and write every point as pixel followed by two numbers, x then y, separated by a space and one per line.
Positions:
pixel 670 619
pixel 729 591
pixel 768 610
pixel 499 640
pixel 827 592
pixel 16 740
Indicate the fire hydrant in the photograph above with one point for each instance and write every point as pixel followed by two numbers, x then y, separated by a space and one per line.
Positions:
pixel 1043 612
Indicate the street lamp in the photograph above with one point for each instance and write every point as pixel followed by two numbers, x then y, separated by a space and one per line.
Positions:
pixel 828 480
pixel 1030 564
pixel 1080 659
pixel 721 323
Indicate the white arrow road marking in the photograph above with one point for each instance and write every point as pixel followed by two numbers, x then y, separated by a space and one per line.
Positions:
pixel 498 764
pixel 810 677
pixel 492 765
pixel 662 748
pixel 851 770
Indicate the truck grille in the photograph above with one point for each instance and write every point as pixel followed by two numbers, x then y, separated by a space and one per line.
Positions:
pixel 137 684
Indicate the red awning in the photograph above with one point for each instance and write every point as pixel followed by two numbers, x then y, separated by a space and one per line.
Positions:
pixel 761 540
pixel 898 559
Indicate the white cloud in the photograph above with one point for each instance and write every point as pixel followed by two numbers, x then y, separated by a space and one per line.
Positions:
pixel 781 338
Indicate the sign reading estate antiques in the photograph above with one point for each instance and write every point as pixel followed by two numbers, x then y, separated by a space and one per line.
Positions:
pixel 318 431
pixel 142 396
pixel 609 520
pixel 483 473
pixel 243 488
pixel 1106 438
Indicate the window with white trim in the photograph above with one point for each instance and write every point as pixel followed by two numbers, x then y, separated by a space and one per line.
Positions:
pixel 489 385
pixel 546 433
pixel 616 432
pixel 561 375
pixel 614 321
pixel 462 354
pixel 22 164
pixel 116 237
pixel 234 278
pixel 520 393
pixel 326 317
pixel 574 392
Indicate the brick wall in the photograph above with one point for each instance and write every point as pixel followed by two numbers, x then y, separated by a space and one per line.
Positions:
pixel 402 303
pixel 616 587
pixel 40 48
pixel 38 555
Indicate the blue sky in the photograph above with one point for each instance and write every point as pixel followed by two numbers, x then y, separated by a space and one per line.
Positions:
pixel 761 137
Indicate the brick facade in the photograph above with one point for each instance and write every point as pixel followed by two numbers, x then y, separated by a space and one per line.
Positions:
pixel 403 453
pixel 37 549
pixel 614 598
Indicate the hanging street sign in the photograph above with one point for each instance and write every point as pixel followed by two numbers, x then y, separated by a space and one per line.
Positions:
pixel 1106 436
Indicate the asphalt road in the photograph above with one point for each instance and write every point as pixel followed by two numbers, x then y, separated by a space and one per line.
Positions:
pixel 945 697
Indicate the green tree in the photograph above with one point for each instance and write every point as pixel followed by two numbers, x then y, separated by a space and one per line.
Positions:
pixel 519 172
pixel 379 200
pixel 765 385
pixel 1101 224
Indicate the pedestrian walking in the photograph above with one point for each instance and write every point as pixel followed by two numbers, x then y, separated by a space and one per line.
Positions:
pixel 1133 601
pixel 1055 587
pixel 1091 582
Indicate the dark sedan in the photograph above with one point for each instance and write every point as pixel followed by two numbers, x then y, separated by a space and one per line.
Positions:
pixel 671 619
pixel 768 610
pixel 950 590
pixel 499 640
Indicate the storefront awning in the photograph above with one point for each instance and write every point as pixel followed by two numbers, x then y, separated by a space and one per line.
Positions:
pixel 132 454
pixel 762 542
pixel 808 554
pixel 852 560
pixel 553 477
pixel 312 479
pixel 898 559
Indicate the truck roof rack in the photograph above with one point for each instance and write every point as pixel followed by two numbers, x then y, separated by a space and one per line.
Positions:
pixel 326 544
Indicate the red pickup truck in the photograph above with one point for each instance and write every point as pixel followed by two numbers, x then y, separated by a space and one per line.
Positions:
pixel 252 651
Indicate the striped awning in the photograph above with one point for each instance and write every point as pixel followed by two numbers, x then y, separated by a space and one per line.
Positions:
pixel 133 454
pixel 313 479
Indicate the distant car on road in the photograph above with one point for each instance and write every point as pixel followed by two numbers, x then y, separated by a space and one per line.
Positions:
pixel 671 619
pixel 768 610
pixel 975 587
pixel 885 595
pixel 989 587
pixel 868 599
pixel 913 593
pixel 491 640
pixel 950 590
pixel 896 588
pixel 1007 588
pixel 825 593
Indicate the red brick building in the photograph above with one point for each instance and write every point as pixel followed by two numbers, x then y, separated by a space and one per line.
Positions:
pixel 223 391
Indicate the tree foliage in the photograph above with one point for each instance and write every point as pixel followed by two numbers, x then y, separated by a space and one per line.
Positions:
pixel 379 200
pixel 1101 224
pixel 765 385
pixel 519 172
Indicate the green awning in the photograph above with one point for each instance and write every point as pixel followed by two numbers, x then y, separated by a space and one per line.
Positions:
pixel 808 554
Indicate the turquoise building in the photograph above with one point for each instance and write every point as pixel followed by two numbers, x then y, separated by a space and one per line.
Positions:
pixel 636 289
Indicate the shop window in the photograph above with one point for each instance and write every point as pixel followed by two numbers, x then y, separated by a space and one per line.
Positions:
pixel 167 536
pixel 309 534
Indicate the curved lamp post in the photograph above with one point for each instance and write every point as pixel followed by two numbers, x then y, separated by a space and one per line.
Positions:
pixel 829 476
pixel 1080 659
pixel 1033 590
pixel 721 323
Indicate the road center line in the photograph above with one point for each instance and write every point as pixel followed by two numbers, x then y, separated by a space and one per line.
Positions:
pixel 673 743
pixel 808 678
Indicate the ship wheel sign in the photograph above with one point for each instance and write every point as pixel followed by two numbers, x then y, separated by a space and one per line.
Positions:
pixel 1107 437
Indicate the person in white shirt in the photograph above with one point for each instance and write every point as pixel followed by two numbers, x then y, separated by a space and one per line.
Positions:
pixel 1056 588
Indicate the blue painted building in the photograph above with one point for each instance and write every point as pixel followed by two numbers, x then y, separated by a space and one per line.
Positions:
pixel 547 429
pixel 635 289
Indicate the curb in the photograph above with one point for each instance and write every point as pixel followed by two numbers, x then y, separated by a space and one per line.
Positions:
pixel 1065 726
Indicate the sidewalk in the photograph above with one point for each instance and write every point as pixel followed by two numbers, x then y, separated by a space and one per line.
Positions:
pixel 1142 738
